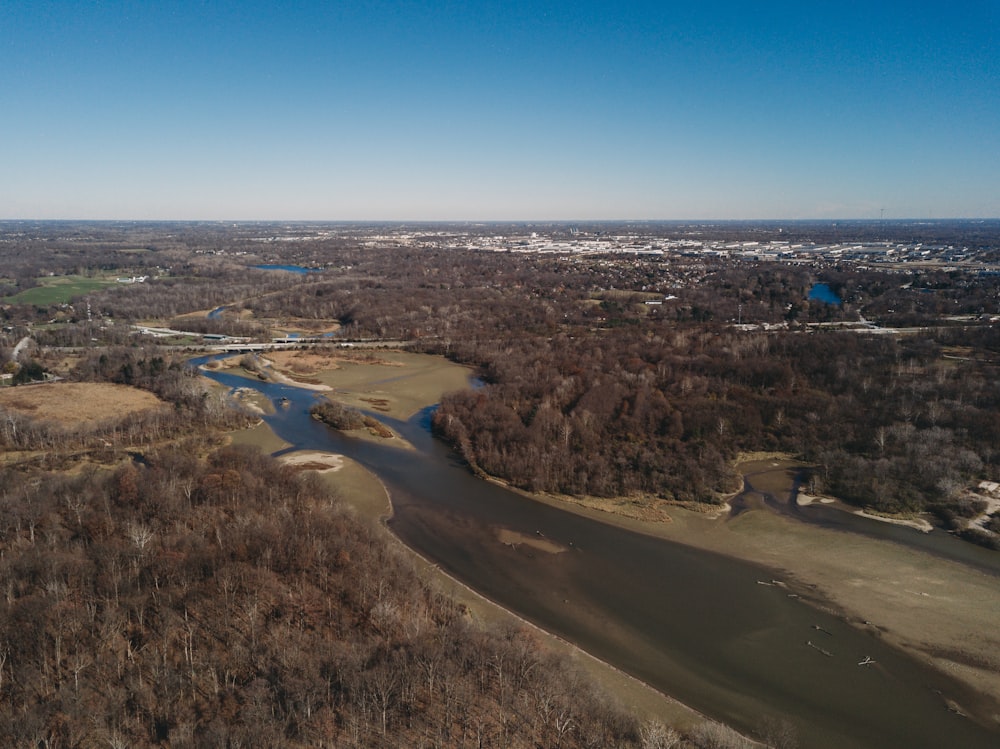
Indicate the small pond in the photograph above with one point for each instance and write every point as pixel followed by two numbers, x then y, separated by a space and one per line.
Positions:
pixel 820 292
pixel 289 268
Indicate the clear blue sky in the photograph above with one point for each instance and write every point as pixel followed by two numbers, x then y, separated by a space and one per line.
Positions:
pixel 382 109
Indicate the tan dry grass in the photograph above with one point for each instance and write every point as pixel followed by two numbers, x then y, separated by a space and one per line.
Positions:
pixel 260 436
pixel 304 362
pixel 397 383
pixel 303 326
pixel 75 403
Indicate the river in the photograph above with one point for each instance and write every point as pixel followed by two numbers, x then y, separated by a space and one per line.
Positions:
pixel 716 633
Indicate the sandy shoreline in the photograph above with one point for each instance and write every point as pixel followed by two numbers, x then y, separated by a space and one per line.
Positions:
pixel 320 462
pixel 939 612
pixel 902 603
pixel 919 525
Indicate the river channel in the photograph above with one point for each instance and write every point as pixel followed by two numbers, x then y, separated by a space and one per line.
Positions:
pixel 718 634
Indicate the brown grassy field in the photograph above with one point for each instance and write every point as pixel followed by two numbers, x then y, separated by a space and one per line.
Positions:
pixel 74 403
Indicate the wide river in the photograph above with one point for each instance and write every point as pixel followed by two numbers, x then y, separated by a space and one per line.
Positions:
pixel 698 626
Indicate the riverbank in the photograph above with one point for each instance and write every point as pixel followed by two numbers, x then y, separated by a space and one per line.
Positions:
pixel 942 613
pixel 401 384
pixel 368 496
pixel 910 599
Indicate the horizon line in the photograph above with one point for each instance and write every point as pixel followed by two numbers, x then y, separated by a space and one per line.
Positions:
pixel 876 220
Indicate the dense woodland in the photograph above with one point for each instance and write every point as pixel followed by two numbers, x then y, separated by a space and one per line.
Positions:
pixel 889 422
pixel 588 388
pixel 178 601
pixel 232 602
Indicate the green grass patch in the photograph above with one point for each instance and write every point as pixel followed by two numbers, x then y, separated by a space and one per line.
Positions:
pixel 60 290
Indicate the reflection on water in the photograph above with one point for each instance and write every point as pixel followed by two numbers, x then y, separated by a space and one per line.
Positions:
pixel 722 636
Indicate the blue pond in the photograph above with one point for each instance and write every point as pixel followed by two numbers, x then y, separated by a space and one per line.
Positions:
pixel 289 268
pixel 823 293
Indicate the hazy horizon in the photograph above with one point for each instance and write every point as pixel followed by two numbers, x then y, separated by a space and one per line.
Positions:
pixel 485 112
pixel 502 221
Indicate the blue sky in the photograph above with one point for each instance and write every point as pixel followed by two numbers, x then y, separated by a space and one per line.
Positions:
pixel 492 111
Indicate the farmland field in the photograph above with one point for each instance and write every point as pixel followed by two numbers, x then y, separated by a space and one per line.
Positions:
pixel 59 289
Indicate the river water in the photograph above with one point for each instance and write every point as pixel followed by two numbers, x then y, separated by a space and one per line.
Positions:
pixel 714 632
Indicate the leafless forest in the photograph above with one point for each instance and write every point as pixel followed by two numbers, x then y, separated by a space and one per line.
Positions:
pixel 613 374
pixel 161 591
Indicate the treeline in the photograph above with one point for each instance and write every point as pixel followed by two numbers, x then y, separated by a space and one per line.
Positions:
pixel 191 287
pixel 574 417
pixel 625 374
pixel 199 267
pixel 891 423
pixel 236 603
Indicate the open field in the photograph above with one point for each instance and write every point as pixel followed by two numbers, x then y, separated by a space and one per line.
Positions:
pixel 60 289
pixel 293 326
pixel 75 403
